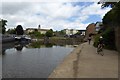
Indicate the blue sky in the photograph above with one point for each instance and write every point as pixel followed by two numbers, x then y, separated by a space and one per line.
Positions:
pixel 56 16
pixel 93 19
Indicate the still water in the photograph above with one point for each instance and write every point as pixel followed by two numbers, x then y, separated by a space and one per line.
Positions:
pixel 26 61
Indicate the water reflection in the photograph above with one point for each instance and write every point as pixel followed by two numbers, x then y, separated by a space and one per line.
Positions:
pixel 20 45
pixel 36 61
pixel 17 45
pixel 38 44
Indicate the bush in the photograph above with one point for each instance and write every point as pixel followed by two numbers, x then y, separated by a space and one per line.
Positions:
pixel 36 34
pixel 96 38
pixel 109 38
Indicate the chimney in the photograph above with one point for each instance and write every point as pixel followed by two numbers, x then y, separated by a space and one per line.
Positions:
pixel 39 27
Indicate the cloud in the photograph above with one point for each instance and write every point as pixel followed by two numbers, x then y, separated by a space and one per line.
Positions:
pixel 51 1
pixel 50 15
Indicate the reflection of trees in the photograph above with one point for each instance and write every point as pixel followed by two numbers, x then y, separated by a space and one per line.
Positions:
pixel 3 52
pixel 19 47
pixel 39 44
pixel 49 45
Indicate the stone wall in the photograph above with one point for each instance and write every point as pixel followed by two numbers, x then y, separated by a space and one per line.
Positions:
pixel 117 37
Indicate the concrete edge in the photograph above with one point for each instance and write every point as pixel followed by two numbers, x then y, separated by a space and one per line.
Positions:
pixel 67 59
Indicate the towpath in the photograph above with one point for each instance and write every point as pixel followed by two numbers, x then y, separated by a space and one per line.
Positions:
pixel 83 62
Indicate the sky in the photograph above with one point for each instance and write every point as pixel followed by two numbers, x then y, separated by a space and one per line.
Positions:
pixel 52 15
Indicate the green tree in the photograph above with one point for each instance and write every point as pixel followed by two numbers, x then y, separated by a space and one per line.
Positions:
pixel 49 33
pixel 2 26
pixel 19 30
pixel 11 31
pixel 110 21
pixel 78 33
pixel 112 18
pixel 62 32
pixel 107 3
pixel 36 34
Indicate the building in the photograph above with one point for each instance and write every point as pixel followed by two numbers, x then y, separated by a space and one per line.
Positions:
pixel 70 31
pixel 82 32
pixel 42 31
pixel 90 29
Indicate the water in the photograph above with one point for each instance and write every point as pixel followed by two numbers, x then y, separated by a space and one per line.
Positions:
pixel 29 62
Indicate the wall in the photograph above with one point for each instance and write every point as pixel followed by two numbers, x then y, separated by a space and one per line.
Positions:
pixel 117 37
pixel 90 29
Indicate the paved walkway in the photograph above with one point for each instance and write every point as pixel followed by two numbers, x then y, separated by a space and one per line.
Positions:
pixel 83 62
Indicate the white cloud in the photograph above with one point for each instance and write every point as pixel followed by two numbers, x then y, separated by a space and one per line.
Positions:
pixel 49 15
pixel 95 9
pixel 50 1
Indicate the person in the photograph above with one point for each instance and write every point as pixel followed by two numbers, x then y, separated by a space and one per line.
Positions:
pixel 100 43
pixel 89 39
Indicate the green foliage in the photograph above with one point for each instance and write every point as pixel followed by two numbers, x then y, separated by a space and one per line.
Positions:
pixel 107 4
pixel 36 34
pixel 96 39
pixel 19 30
pixel 39 44
pixel 109 38
pixel 36 44
pixel 112 18
pixel 11 31
pixel 2 26
pixel 62 32
pixel 49 33
pixel 78 33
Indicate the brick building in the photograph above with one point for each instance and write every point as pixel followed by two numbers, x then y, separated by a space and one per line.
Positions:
pixel 90 29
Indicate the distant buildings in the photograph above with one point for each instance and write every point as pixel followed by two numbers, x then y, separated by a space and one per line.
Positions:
pixel 70 31
pixel 93 28
pixel 82 32
pixel 42 31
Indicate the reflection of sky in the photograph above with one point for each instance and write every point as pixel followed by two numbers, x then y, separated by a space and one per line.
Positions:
pixel 40 61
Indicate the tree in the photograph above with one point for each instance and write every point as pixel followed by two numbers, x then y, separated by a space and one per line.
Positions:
pixel 113 16
pixel 49 33
pixel 11 31
pixel 2 26
pixel 62 32
pixel 111 20
pixel 19 30
pixel 78 33
pixel 107 3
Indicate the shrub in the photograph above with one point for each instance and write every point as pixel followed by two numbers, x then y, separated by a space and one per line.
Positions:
pixel 109 38
pixel 96 38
